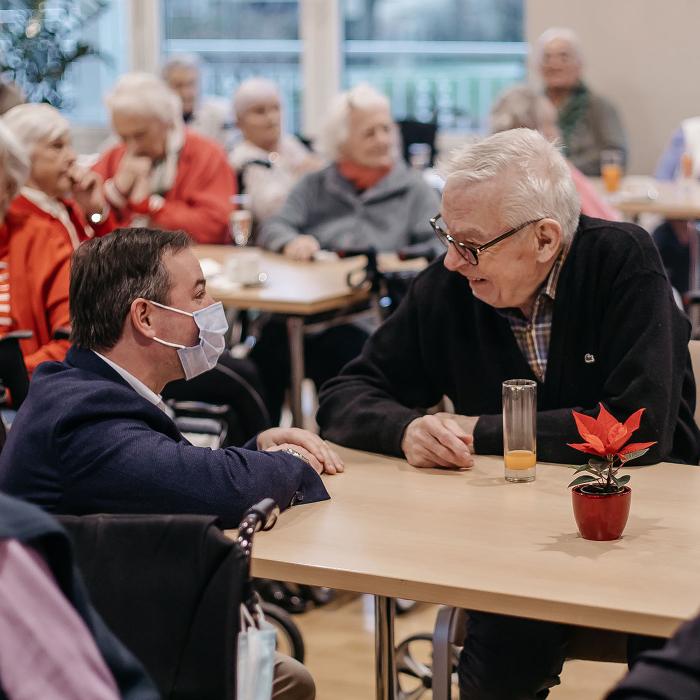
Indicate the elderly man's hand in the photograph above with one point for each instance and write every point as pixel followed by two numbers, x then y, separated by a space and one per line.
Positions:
pixel 131 168
pixel 440 440
pixel 301 248
pixel 87 190
pixel 321 457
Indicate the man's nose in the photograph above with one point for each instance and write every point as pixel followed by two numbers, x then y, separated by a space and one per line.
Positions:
pixel 453 260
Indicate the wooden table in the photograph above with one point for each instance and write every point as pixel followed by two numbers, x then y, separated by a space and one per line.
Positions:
pixel 297 290
pixel 471 540
pixel 645 195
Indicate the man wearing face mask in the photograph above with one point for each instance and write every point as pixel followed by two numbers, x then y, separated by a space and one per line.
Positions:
pixel 92 435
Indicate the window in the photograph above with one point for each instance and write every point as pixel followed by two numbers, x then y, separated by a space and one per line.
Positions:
pixel 237 39
pixel 443 60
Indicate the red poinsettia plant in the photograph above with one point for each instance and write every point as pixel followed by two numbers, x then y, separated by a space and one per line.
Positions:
pixel 606 440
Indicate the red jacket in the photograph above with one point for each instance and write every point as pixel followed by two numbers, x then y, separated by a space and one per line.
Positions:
pixel 39 274
pixel 199 200
pixel 22 205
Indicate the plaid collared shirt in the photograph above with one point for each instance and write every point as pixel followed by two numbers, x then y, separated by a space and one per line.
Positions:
pixel 533 334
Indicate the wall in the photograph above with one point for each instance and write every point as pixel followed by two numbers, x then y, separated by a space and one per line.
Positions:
pixel 642 54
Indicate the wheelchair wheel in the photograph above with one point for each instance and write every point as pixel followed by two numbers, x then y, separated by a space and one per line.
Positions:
pixel 289 639
pixel 414 658
pixel 319 595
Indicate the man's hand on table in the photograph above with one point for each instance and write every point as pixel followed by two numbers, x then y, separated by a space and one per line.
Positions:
pixel 440 440
pixel 301 248
pixel 316 451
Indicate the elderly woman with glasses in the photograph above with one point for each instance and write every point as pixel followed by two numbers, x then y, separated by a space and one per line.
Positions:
pixel 366 198
pixel 528 288
pixel 66 196
pixel 588 122
pixel 164 175
pixel 34 265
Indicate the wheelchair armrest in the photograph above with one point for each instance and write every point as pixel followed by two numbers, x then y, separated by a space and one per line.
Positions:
pixel 206 426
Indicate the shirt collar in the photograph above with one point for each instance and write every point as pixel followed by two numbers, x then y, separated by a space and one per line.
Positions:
pixel 136 384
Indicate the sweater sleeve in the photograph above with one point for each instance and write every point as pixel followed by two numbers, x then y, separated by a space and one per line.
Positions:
pixel 289 223
pixel 671 673
pixel 643 357
pixel 375 397
pixel 205 206
pixel 133 468
pixel 53 288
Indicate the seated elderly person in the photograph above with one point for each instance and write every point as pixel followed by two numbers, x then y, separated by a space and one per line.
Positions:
pixel 528 288
pixel 163 174
pixel 589 123
pixel 366 197
pixel 271 162
pixel 58 191
pixel 34 266
pixel 207 116
pixel 521 107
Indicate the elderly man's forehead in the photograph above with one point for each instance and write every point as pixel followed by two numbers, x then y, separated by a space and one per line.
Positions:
pixel 562 46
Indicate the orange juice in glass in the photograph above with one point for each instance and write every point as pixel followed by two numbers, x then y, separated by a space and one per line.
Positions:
pixel 520 429
pixel 611 169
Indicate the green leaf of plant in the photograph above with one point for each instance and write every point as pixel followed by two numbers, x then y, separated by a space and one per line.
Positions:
pixel 623 479
pixel 633 455
pixel 582 468
pixel 582 480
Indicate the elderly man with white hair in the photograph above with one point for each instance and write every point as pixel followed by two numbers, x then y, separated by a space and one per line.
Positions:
pixel 34 266
pixel 163 175
pixel 207 116
pixel 271 162
pixel 528 288
pixel 367 197
pixel 65 195
pixel 589 123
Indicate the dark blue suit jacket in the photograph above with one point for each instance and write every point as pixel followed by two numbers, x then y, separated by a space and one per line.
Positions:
pixel 85 442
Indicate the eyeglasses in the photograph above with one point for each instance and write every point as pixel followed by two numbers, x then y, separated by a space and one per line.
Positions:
pixel 469 252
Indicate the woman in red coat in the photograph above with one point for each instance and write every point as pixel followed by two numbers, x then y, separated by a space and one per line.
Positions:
pixel 164 175
pixel 66 197
pixel 34 266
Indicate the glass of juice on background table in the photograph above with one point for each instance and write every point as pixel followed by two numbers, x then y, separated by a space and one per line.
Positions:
pixel 611 169
pixel 520 429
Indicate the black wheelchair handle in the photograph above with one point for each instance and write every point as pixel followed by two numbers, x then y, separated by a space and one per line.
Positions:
pixel 266 513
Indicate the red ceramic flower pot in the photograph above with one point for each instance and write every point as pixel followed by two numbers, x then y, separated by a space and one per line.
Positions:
pixel 601 516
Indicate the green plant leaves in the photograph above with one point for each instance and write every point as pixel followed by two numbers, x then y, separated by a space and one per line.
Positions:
pixel 585 479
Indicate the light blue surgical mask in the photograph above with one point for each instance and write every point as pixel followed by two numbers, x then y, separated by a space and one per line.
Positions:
pixel 212 324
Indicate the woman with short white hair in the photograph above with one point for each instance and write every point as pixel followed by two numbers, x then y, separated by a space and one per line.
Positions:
pixel 270 162
pixel 588 122
pixel 34 265
pixel 367 197
pixel 68 197
pixel 163 174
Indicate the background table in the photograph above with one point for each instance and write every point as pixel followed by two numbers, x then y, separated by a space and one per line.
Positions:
pixel 298 290
pixel 645 195
pixel 468 539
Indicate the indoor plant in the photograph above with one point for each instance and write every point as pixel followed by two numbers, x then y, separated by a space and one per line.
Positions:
pixel 601 498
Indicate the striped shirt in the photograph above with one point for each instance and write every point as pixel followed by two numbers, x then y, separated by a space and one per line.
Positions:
pixel 533 334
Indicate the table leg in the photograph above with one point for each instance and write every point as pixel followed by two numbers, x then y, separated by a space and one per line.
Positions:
pixel 385 659
pixel 295 331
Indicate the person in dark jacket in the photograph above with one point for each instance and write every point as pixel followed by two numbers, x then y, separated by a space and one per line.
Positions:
pixel 93 436
pixel 52 641
pixel 528 289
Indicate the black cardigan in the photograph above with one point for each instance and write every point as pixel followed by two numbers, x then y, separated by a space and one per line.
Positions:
pixel 613 302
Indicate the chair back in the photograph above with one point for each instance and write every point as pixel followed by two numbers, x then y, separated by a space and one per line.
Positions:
pixel 169 587
pixel 694 348
pixel 418 132
pixel 13 372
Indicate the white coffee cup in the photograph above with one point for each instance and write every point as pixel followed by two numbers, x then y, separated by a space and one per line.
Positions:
pixel 243 267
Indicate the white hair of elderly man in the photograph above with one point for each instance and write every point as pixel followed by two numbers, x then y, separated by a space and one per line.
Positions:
pixel 537 177
pixel 145 95
pixel 562 34
pixel 34 122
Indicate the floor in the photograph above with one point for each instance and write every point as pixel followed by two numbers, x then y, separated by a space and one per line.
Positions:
pixel 339 652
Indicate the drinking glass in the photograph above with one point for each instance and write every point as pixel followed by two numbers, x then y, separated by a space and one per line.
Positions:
pixel 520 429
pixel 241 220
pixel 611 169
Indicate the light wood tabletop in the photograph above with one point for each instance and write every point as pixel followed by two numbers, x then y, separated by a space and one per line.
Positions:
pixel 299 288
pixel 645 195
pixel 471 540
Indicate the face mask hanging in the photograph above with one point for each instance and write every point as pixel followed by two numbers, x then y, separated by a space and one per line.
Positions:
pixel 256 656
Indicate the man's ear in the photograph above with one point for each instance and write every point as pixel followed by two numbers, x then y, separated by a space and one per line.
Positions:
pixel 549 238
pixel 140 314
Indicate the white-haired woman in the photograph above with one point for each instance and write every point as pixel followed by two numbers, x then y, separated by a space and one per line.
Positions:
pixel 34 265
pixel 522 107
pixel 163 174
pixel 366 197
pixel 271 162
pixel 588 122
pixel 69 198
